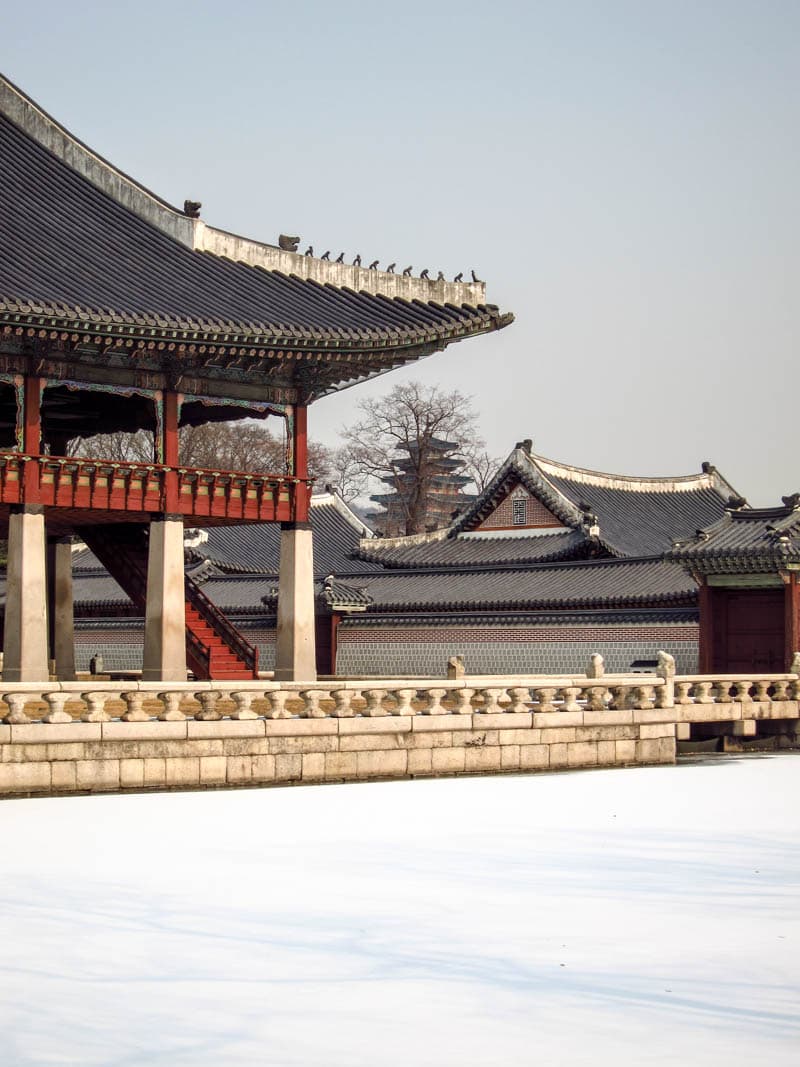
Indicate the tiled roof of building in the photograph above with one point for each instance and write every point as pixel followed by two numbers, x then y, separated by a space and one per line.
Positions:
pixel 255 548
pixel 588 584
pixel 745 539
pixel 96 590
pixel 461 551
pixel 84 245
pixel 635 516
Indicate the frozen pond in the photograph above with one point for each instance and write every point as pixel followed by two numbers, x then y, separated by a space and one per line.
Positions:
pixel 646 916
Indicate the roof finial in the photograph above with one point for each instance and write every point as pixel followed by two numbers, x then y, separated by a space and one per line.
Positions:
pixel 526 445
pixel 288 244
pixel 708 467
pixel 192 208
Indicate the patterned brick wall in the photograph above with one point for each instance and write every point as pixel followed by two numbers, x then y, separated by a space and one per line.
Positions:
pixel 497 649
pixel 503 515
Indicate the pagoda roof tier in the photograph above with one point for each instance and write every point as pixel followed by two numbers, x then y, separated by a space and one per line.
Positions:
pixel 91 254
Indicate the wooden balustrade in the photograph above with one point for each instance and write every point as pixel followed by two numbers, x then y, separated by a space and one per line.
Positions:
pixel 86 485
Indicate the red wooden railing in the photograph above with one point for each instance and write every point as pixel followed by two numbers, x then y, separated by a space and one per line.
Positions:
pixel 87 485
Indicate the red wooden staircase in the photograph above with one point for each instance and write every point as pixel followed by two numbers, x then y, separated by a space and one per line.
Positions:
pixel 214 647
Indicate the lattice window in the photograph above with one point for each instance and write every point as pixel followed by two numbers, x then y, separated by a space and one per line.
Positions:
pixel 519 515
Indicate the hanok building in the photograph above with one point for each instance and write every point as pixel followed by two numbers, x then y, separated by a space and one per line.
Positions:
pixel 746 566
pixel 119 312
pixel 550 564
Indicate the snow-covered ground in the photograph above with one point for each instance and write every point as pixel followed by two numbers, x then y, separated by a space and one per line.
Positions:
pixel 647 916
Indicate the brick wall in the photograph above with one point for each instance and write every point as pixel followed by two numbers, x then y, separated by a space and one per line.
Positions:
pixel 508 649
pixel 503 515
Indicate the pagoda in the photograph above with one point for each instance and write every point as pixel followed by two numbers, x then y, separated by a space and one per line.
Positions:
pixel 120 312
pixel 426 484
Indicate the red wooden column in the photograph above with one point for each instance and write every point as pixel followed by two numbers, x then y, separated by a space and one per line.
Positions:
pixel 170 447
pixel 32 435
pixel 705 652
pixel 792 617
pixel 300 460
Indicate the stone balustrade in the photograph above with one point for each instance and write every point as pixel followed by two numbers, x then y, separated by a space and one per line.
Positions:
pixel 106 736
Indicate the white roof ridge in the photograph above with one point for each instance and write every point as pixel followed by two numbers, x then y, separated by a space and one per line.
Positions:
pixel 334 500
pixel 710 479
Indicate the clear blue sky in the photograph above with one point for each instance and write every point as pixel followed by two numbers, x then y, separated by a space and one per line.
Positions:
pixel 624 175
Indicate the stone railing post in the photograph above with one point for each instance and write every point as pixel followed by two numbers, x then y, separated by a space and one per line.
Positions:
pixel 666 670
pixel 597 667
pixel 455 668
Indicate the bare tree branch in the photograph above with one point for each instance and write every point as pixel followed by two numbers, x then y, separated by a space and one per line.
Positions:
pixel 398 442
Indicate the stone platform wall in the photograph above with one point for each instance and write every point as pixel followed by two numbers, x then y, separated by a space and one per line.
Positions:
pixel 82 737
pixel 85 757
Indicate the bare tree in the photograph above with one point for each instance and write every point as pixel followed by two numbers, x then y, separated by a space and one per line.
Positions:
pixel 399 442
pixel 120 447
pixel 246 446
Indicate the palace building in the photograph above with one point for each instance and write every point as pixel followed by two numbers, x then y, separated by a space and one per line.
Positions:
pixel 547 566
pixel 120 312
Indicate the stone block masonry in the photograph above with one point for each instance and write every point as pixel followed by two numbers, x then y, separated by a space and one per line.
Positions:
pixel 59 738
pixel 265 752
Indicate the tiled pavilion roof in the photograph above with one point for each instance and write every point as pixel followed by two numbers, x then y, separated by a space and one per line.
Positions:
pixel 85 247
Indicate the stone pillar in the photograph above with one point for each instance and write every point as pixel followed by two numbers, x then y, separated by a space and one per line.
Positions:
pixel 25 643
pixel 165 610
pixel 295 656
pixel 60 609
